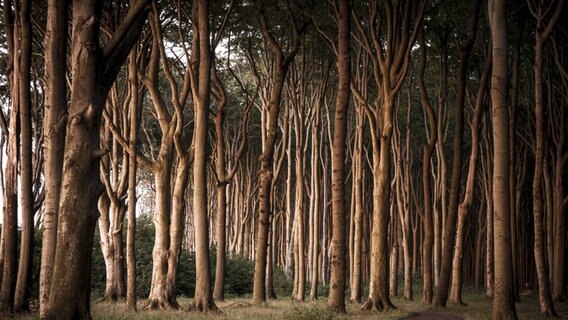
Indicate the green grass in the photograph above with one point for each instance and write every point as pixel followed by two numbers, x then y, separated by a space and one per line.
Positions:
pixel 479 307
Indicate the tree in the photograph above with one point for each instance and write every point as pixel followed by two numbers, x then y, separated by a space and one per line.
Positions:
pixel 23 292
pixel 10 210
pixel 93 72
pixel 336 298
pixel 503 299
pixel 389 44
pixel 542 33
pixel 281 64
pixel 201 90
pixel 54 137
pixel 448 234
pixel 428 243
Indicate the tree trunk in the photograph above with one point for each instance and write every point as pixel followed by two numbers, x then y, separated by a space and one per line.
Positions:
pixel 54 138
pixel 503 299
pixel 542 32
pixel 429 146
pixel 448 235
pixel 336 299
pixel 379 281
pixel 10 210
pixel 132 168
pixel 23 283
pixel 203 298
pixel 358 219
pixel 266 159
pixel 463 210
pixel 93 72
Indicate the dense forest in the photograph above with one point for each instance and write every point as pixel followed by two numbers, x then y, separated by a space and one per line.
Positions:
pixel 173 154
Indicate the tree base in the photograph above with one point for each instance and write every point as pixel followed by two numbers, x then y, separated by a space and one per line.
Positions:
pixel 204 306
pixel 160 304
pixel 378 305
pixel 457 302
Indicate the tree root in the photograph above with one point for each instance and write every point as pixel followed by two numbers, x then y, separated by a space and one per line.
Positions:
pixel 205 306
pixel 160 304
pixel 378 305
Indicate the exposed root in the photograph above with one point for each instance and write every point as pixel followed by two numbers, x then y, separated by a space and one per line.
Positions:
pixel 160 304
pixel 378 305
pixel 205 306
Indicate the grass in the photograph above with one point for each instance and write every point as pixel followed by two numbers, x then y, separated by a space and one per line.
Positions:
pixel 479 307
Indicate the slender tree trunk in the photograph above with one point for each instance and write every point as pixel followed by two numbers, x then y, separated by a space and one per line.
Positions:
pixel 427 246
pixel 53 137
pixel 282 63
pixel 542 32
pixel 132 169
pixel 23 286
pixel 503 299
pixel 336 299
pixel 358 221
pixel 463 210
pixel 176 227
pixel 10 210
pixel 448 235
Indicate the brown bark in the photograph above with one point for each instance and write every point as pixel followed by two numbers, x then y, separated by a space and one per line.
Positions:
pixel 503 299
pixel 281 64
pixel 10 210
pixel 448 234
pixel 559 122
pixel 54 138
pixel 543 30
pixel 463 210
pixel 203 298
pixel 133 108
pixel 429 146
pixel 23 287
pixel 93 72
pixel 336 299
pixel 390 53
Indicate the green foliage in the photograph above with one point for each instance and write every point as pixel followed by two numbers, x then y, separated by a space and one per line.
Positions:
pixel 313 312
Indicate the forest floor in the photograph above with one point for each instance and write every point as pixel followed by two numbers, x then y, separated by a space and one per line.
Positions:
pixel 479 307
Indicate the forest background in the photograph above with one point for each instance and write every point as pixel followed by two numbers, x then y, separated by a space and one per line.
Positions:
pixel 152 149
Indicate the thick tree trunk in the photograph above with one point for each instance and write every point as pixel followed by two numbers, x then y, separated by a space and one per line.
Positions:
pixel 203 298
pixel 379 280
pixel 158 297
pixel 93 72
pixel 503 299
